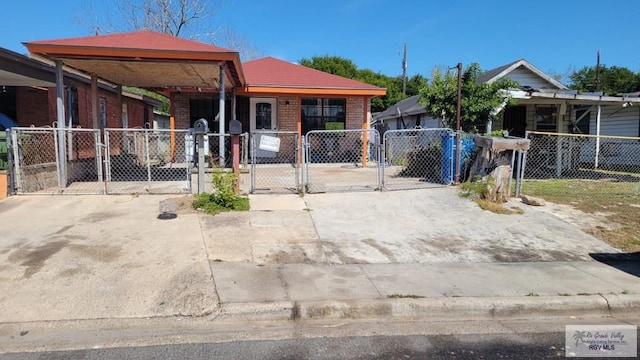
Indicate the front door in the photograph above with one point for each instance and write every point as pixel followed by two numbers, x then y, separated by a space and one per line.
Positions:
pixel 262 116
pixel 262 113
pixel 515 120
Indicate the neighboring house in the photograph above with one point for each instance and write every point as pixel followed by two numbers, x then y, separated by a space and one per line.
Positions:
pixel 544 104
pixel 406 114
pixel 28 96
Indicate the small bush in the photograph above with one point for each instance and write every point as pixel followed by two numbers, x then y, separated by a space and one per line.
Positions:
pixel 224 197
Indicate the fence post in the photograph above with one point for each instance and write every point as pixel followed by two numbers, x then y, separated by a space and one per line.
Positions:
pixel 10 160
pixel 146 155
pixel 16 160
pixel 98 148
pixel 382 160
pixel 253 162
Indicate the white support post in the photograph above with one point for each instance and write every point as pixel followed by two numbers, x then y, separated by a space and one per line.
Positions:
pixel 597 137
pixel 62 159
pixel 221 147
pixel 559 129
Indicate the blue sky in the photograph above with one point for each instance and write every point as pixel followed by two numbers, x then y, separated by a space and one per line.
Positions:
pixel 556 36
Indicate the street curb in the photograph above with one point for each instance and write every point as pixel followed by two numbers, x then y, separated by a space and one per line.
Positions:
pixel 623 303
pixel 454 308
pixel 256 311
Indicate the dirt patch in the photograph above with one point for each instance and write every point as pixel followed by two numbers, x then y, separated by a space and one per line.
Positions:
pixel 183 204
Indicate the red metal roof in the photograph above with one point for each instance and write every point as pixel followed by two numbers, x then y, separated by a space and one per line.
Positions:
pixel 142 40
pixel 272 72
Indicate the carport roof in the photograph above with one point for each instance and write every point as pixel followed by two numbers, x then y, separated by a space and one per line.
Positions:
pixel 144 59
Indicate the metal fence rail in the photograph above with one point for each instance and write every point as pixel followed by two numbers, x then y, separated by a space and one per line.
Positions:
pixel 275 162
pixel 341 160
pixel 613 162
pixel 415 159
pixel 147 161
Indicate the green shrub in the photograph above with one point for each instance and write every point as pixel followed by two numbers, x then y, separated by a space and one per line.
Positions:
pixel 224 197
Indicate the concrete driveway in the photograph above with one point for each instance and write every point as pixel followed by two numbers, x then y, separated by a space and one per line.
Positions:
pixel 91 257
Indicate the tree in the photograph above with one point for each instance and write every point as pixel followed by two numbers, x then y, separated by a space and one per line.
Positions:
pixel 480 101
pixel 333 65
pixel 183 18
pixel 415 83
pixel 613 80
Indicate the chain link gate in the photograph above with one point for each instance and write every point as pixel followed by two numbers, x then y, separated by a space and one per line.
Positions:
pixel 417 158
pixel 148 161
pixel 342 160
pixel 38 169
pixel 275 161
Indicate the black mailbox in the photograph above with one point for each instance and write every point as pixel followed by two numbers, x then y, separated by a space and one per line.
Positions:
pixel 235 127
pixel 201 126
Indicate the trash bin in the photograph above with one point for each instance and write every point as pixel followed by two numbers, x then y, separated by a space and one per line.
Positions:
pixel 467 148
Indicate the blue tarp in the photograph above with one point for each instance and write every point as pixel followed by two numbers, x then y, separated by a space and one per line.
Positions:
pixel 6 122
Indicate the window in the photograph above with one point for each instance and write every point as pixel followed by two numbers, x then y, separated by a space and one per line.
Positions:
pixel 546 118
pixel 323 114
pixel 263 115
pixel 72 105
pixel 581 125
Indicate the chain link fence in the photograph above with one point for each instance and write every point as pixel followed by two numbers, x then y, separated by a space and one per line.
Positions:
pixel 342 160
pixel 147 161
pixel 563 163
pixel 275 162
pixel 417 158
pixel 212 148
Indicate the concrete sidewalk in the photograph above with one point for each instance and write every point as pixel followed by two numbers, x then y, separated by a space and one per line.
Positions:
pixel 410 254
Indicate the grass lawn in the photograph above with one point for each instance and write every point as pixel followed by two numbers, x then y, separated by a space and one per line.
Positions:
pixel 619 200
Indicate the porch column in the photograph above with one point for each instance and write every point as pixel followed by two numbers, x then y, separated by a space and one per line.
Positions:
pixel 62 159
pixel 94 100
pixel 172 126
pixel 221 124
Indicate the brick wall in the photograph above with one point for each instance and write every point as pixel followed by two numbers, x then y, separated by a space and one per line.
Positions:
pixel 288 113
pixel 32 107
pixel 355 112
pixel 37 106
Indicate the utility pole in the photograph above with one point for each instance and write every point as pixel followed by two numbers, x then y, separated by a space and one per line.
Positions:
pixel 598 71
pixel 404 70
pixel 458 132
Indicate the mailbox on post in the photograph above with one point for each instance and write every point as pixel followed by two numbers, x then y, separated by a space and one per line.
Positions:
pixel 235 127
pixel 201 127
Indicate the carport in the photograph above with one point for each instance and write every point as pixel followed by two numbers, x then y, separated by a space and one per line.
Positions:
pixel 143 59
